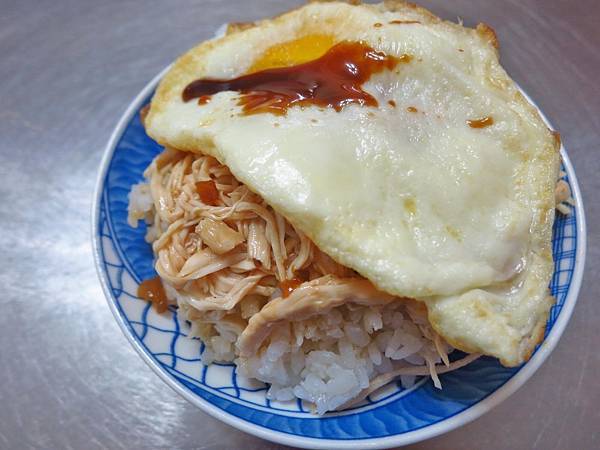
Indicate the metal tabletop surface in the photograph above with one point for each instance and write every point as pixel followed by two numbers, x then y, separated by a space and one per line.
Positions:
pixel 68 69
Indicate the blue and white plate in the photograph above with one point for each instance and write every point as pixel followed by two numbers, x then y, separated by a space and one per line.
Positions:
pixel 391 418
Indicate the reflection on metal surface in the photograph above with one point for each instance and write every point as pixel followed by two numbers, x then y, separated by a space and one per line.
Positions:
pixel 70 379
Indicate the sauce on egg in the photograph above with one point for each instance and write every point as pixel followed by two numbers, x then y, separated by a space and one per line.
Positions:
pixel 481 123
pixel 401 22
pixel 152 291
pixel 333 80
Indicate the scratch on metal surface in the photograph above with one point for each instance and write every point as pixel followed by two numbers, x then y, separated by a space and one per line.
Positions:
pixel 582 371
pixel 540 434
pixel 3 440
pixel 15 116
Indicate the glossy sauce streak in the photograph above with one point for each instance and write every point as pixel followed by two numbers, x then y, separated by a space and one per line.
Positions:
pixel 334 80
pixel 401 22
pixel 288 286
pixel 481 123
pixel 152 291
pixel 207 190
pixel 204 100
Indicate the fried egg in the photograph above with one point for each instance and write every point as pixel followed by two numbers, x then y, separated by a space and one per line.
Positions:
pixel 439 188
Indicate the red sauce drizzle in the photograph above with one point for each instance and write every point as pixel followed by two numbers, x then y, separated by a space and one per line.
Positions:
pixel 152 291
pixel 203 100
pixel 208 192
pixel 401 22
pixel 288 286
pixel 481 123
pixel 334 80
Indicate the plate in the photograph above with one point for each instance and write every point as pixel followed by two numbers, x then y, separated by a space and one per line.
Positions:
pixel 393 417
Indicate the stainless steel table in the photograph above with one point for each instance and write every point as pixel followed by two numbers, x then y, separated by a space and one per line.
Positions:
pixel 68 69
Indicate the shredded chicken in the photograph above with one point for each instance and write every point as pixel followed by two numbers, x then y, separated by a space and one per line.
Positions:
pixel 311 298
pixel 223 253
pixel 431 370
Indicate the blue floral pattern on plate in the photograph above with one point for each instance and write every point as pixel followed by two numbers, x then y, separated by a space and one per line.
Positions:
pixel 124 259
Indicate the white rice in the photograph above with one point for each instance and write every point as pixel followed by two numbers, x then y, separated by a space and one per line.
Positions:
pixel 329 359
pixel 140 204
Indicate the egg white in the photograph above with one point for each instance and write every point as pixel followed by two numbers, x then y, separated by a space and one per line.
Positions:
pixel 420 203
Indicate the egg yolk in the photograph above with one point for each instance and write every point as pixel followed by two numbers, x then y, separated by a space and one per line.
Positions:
pixel 294 52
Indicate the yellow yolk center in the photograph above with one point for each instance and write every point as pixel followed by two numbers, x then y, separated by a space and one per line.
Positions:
pixel 291 53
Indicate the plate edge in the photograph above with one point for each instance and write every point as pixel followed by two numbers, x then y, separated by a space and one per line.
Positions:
pixel 444 426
